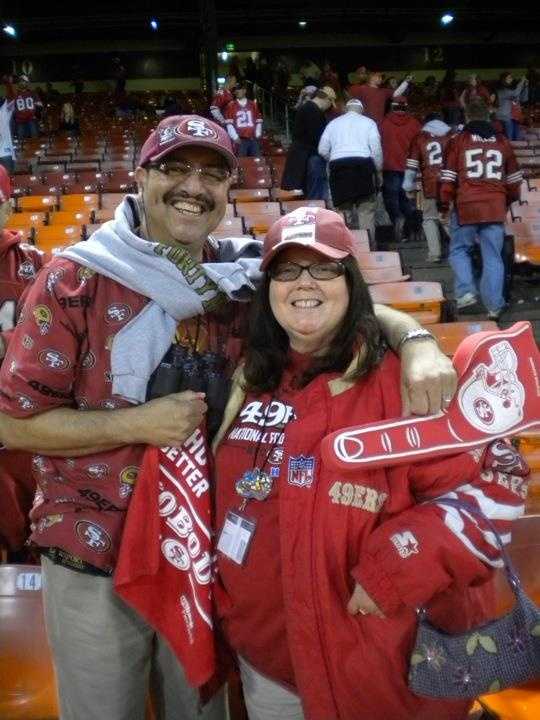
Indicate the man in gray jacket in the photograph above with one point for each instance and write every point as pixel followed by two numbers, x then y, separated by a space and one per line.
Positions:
pixel 352 145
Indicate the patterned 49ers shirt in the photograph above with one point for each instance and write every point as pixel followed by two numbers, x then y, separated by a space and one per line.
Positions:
pixel 59 355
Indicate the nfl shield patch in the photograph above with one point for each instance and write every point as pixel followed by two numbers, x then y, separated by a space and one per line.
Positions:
pixel 301 471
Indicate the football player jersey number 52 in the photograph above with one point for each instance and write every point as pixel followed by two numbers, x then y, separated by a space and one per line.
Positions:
pixel 482 163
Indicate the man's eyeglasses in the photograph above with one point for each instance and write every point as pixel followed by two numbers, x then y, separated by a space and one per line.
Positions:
pixel 179 170
pixel 287 271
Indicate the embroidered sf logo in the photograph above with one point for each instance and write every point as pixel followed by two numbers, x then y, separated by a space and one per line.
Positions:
pixel 198 128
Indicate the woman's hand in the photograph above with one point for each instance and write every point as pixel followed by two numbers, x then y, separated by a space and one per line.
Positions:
pixel 360 602
pixel 428 378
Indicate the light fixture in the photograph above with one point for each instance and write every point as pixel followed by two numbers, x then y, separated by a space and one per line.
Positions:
pixel 302 23
pixel 224 56
pixel 10 30
pixel 154 24
pixel 221 80
pixel 446 19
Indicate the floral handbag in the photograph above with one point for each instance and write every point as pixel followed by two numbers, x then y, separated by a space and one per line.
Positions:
pixel 503 653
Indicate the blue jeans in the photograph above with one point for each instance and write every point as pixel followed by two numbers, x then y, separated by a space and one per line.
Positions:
pixel 249 147
pixel 491 239
pixel 316 179
pixel 511 129
pixel 27 129
pixel 396 202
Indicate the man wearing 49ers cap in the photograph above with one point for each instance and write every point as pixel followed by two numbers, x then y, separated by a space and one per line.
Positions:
pixel 134 313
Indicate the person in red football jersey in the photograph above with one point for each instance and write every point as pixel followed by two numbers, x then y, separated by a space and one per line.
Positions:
pixel 19 264
pixel 398 129
pixel 26 104
pixel 374 97
pixel 481 178
pixel 426 157
pixel 221 99
pixel 244 123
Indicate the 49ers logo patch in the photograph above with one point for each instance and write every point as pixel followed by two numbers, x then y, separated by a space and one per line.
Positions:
pixel 199 128
pixel 43 317
pixel 93 536
pixel 128 478
pixel 117 313
pixel 54 359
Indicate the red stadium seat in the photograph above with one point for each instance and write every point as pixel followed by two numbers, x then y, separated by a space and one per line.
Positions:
pixel 118 181
pixel 25 184
pixel 27 684
pixel 110 201
pixel 290 205
pixel 285 196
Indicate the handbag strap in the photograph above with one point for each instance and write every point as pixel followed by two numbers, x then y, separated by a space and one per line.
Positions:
pixel 511 572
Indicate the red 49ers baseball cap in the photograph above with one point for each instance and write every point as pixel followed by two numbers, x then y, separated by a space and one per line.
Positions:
pixel 312 227
pixel 5 185
pixel 180 131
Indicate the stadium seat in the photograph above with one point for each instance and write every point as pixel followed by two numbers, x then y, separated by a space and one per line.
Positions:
pixel 25 184
pixel 381 267
pixel 422 300
pixel 230 227
pixel 529 447
pixel 117 181
pixel 110 201
pixel 254 179
pixel 71 217
pixel 245 163
pixel 260 208
pixel 79 202
pixel 50 237
pixel 27 685
pixel 285 196
pixel 247 196
pixel 26 220
pixel 290 205
pixel 37 203
pixel 523 702
pixel 449 335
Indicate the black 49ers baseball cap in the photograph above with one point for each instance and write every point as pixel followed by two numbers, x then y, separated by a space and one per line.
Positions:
pixel 178 131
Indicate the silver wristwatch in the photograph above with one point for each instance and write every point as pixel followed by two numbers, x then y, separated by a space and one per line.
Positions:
pixel 416 334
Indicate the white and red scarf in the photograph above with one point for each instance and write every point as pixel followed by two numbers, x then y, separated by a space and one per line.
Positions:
pixel 165 564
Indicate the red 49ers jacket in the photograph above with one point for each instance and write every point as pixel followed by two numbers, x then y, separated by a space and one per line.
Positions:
pixel 376 528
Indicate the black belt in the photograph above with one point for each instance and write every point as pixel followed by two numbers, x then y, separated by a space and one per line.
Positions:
pixel 72 562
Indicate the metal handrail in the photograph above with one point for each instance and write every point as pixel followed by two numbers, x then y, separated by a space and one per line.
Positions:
pixel 273 107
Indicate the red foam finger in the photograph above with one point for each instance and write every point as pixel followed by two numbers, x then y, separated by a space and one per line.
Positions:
pixel 498 395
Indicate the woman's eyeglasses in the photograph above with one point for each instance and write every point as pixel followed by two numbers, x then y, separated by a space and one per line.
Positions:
pixel 285 272
pixel 179 170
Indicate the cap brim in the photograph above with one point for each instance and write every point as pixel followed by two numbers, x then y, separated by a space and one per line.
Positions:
pixel 324 250
pixel 229 156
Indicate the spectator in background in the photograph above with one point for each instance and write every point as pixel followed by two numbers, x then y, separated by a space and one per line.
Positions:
pixel 221 99
pixel 508 95
pixel 426 157
pixel 430 88
pixel 374 97
pixel 68 119
pixel 305 169
pixel 449 99
pixel 398 129
pixel 306 93
pixel 352 145
pixel 281 78
pixel 7 149
pixel 119 74
pixel 26 105
pixel 250 71
pixel 170 106
pixel 481 178
pixel 474 91
pixel 330 78
pixel 244 122
pixel 310 73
